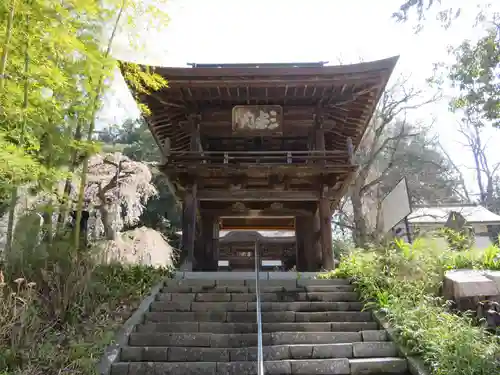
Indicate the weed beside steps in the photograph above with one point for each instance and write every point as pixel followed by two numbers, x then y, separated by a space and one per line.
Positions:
pixel 403 282
pixel 61 325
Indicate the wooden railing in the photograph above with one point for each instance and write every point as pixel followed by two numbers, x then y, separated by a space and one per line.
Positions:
pixel 259 157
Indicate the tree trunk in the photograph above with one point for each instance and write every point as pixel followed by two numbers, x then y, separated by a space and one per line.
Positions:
pixel 109 232
pixel 360 232
pixel 94 108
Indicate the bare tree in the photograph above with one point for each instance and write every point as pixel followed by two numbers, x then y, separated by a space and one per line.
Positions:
pixel 118 188
pixel 380 158
pixel 485 173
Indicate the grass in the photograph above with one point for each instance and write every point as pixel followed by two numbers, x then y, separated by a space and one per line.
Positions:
pixel 62 322
pixel 403 282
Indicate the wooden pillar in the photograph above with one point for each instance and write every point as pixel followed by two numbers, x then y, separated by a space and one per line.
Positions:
pixel 209 251
pixel 309 243
pixel 316 255
pixel 215 244
pixel 189 225
pixel 190 205
pixel 199 246
pixel 300 243
pixel 325 215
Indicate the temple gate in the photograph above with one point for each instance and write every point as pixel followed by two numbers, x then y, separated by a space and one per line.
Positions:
pixel 262 147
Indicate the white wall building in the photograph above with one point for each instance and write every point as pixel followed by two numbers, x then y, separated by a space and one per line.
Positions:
pixel 483 222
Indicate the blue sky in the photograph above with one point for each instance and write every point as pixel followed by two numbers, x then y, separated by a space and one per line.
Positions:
pixel 224 31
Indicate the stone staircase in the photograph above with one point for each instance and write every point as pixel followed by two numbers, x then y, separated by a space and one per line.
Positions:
pixel 209 327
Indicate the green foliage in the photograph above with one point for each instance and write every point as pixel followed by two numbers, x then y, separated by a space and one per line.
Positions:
pixel 65 318
pixel 403 281
pixel 475 73
pixel 458 240
pixel 142 80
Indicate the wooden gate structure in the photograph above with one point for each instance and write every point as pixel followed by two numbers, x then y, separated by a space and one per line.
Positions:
pixel 266 146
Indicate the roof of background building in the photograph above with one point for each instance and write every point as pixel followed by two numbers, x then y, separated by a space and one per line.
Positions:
pixel 439 214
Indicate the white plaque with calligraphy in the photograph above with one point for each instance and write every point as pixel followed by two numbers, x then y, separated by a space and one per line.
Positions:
pixel 257 119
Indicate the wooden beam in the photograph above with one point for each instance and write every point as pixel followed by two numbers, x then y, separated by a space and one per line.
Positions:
pixel 253 213
pixel 256 194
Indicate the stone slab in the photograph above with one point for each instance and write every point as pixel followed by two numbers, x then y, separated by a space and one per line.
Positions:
pixel 494 276
pixel 222 275
pixel 468 283
pixel 385 365
pixel 322 366
pixel 374 349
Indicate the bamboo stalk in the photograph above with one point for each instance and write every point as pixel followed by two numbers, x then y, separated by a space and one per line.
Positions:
pixel 8 37
pixel 3 67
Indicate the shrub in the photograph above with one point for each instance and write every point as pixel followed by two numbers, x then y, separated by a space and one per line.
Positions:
pixel 403 281
pixel 61 322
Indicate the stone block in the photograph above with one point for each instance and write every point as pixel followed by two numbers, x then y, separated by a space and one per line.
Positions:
pixel 245 297
pixel 388 365
pixel 301 351
pixel 322 366
pixel 495 277
pixel 219 306
pixel 329 288
pixel 277 367
pixel 175 289
pixel 237 289
pixel 240 368
pixel 230 283
pixel 168 327
pixel 329 296
pixel 157 306
pixel 142 368
pixel 213 327
pixel 199 282
pixel 243 354
pixel 152 354
pixel 175 297
pixel 131 354
pixel 343 350
pixel 374 349
pixel 468 283
pixel 284 284
pixel 283 276
pixel 352 326
pixel 198 355
pixel 374 335
pixel 333 316
pixel 318 282
pixel 169 339
pixel 186 368
pixel 281 338
pixel 275 353
pixel 119 369
pixel 173 316
pixel 213 297
pixel 296 327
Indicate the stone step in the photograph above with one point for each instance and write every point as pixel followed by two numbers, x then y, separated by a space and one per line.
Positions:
pixel 250 317
pixel 304 306
pixel 214 327
pixel 271 353
pixel 300 367
pixel 263 289
pixel 223 340
pixel 205 285
pixel 264 297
